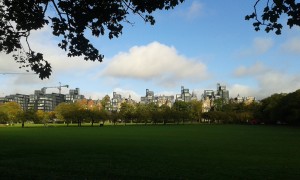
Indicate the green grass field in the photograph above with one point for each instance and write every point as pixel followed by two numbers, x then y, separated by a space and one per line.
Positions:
pixel 150 152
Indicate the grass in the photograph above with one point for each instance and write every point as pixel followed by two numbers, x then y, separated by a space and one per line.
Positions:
pixel 150 152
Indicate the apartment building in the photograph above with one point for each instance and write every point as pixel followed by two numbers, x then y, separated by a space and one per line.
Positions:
pixel 209 96
pixel 116 102
pixel 185 95
pixel 74 95
pixel 21 99
pixel 159 100
pixel 149 98
pixel 41 100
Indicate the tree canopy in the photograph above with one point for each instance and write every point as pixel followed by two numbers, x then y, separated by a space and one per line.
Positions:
pixel 71 21
pixel 272 12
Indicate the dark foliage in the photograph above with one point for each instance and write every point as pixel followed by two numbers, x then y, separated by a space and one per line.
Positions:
pixel 71 21
pixel 271 13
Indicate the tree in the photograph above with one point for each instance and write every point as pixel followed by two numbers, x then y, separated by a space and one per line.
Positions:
pixel 153 112
pixel 43 117
pixel 72 21
pixel 166 113
pixel 96 115
pixel 66 112
pixel 11 109
pixel 272 12
pixel 196 110
pixel 289 111
pixel 114 116
pixel 181 111
pixel 28 115
pixel 142 113
pixel 270 108
pixel 105 102
pixel 127 111
pixel 3 118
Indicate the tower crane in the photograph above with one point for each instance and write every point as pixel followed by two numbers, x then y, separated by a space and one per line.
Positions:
pixel 58 87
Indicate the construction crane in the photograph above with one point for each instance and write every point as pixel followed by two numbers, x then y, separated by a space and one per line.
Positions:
pixel 58 87
pixel 10 73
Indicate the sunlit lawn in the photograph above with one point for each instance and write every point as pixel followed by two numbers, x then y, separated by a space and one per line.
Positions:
pixel 144 152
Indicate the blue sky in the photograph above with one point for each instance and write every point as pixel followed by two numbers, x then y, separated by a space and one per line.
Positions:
pixel 198 44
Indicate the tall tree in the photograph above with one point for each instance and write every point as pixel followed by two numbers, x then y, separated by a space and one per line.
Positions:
pixel 196 110
pixel 66 112
pixel 127 112
pixel 153 112
pixel 72 21
pixel 105 102
pixel 28 115
pixel 166 113
pixel 44 117
pixel 142 113
pixel 289 111
pixel 270 108
pixel 3 118
pixel 11 109
pixel 181 111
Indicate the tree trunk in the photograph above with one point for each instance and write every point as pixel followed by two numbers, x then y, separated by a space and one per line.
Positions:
pixel 22 124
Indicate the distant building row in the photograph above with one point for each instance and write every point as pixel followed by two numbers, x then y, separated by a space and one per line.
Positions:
pixel 185 95
pixel 40 100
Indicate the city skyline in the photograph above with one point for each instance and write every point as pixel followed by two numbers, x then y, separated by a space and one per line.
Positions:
pixel 197 44
pixel 148 92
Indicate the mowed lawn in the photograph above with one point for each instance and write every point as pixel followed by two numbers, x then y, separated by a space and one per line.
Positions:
pixel 151 152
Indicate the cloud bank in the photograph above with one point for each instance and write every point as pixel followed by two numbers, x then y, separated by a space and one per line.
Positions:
pixel 292 45
pixel 194 10
pixel 259 46
pixel 155 62
pixel 269 81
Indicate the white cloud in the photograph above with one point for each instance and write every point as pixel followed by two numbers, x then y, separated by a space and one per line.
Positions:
pixel 156 62
pixel 292 45
pixel 262 45
pixel 259 46
pixel 277 82
pixel 255 69
pixel 269 81
pixel 242 90
pixel 194 10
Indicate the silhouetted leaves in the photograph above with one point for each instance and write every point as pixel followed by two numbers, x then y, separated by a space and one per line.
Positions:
pixel 71 21
pixel 272 12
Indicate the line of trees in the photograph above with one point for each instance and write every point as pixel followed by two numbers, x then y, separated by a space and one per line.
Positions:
pixel 281 108
pixel 276 109
pixel 12 113
pixel 83 112
pixel 181 112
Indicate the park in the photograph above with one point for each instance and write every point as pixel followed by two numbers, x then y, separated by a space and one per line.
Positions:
pixel 199 43
pixel 198 151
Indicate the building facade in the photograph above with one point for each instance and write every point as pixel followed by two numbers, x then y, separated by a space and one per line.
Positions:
pixel 41 100
pixel 149 98
pixel 209 96
pixel 116 102
pixel 185 95
pixel 21 99
pixel 74 95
